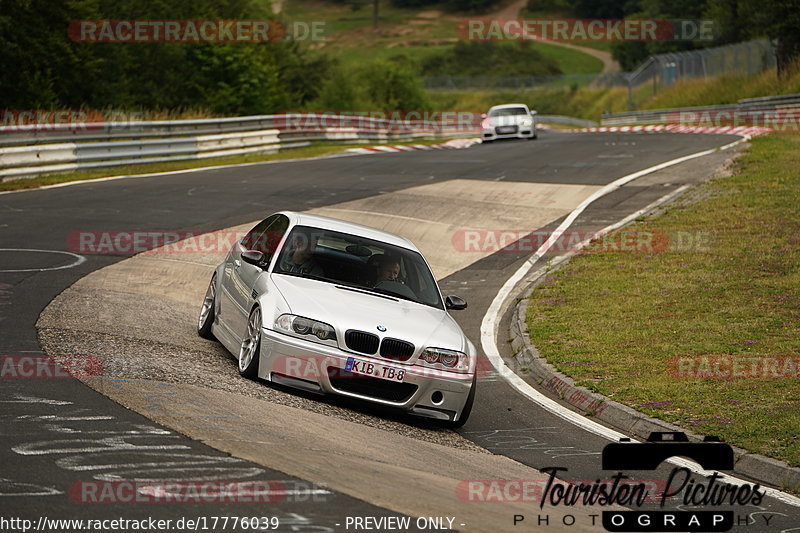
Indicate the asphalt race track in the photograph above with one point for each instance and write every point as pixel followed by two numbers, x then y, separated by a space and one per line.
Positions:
pixel 58 434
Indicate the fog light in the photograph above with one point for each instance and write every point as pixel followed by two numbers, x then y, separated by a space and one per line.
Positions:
pixel 437 398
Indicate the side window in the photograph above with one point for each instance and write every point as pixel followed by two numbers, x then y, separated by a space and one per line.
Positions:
pixel 267 242
pixel 252 236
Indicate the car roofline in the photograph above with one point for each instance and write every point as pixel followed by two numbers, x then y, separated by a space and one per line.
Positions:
pixel 360 230
pixel 504 106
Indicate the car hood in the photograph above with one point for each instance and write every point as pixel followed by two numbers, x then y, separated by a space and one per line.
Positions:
pixel 344 309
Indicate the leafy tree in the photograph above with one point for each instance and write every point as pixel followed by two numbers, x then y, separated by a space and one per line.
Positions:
pixel 608 9
pixel 339 93
pixel 42 68
pixel 779 20
pixel 52 71
pixel 388 85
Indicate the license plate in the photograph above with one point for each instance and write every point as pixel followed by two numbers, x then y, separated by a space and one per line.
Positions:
pixel 374 370
pixel 507 129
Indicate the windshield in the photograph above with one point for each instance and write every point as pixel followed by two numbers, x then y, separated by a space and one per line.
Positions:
pixel 508 111
pixel 359 263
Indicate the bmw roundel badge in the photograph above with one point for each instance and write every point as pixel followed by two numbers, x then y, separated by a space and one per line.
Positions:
pixel 381 328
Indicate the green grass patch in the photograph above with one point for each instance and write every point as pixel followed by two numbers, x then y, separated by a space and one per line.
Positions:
pixel 570 61
pixel 720 90
pixel 314 150
pixel 590 103
pixel 616 322
pixel 574 102
pixel 418 33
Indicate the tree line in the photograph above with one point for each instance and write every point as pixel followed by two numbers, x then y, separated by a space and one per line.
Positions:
pixel 43 68
pixel 734 21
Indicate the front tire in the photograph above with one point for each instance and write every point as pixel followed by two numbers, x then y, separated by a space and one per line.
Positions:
pixel 208 310
pixel 249 353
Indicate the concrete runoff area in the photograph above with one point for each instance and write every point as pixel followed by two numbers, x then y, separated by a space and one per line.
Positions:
pixel 419 214
pixel 139 316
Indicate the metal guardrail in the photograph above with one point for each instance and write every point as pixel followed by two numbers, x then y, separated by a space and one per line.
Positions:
pixel 748 109
pixel 27 151
pixel 567 121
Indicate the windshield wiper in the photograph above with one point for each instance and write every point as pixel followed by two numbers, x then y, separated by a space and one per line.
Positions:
pixel 364 290
pixel 305 275
pixel 394 294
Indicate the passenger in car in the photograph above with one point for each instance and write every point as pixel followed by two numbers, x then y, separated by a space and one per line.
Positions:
pixel 300 257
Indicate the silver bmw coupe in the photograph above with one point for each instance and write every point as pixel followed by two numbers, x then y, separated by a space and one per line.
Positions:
pixel 338 308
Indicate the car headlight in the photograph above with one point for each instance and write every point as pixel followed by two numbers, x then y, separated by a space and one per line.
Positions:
pixel 526 122
pixel 300 326
pixel 445 359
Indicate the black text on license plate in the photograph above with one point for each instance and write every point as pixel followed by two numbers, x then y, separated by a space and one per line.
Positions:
pixel 374 369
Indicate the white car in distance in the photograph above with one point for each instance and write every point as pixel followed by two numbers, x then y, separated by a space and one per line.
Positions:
pixel 509 121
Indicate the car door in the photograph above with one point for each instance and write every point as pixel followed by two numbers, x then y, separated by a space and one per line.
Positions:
pixel 229 311
pixel 243 276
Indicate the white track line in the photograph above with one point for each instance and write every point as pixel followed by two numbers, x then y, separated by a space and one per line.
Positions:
pixel 492 316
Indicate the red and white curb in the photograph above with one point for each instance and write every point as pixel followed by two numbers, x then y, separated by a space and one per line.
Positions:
pixel 752 131
pixel 454 144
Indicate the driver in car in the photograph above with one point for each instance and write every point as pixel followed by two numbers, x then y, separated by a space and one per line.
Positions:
pixel 388 269
pixel 300 256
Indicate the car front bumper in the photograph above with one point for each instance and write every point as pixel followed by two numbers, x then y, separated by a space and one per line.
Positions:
pixel 521 132
pixel 316 367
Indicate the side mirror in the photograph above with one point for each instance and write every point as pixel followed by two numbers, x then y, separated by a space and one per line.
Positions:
pixel 484 115
pixel 254 258
pixel 534 113
pixel 455 303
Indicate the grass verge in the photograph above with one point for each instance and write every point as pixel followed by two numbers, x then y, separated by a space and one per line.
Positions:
pixel 590 103
pixel 622 324
pixel 314 150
